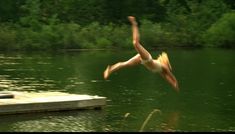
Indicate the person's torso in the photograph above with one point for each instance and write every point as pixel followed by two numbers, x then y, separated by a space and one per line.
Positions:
pixel 154 66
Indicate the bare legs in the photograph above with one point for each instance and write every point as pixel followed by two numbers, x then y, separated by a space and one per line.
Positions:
pixel 143 53
pixel 138 47
pixel 131 62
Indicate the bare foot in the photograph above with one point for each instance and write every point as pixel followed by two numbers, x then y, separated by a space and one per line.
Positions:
pixel 106 72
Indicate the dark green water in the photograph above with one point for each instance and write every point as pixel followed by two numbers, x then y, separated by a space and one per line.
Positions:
pixel 205 102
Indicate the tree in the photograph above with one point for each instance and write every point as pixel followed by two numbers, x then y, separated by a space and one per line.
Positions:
pixel 10 10
pixel 222 33
pixel 32 14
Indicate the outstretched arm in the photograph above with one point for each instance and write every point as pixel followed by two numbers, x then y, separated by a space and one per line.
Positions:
pixel 168 76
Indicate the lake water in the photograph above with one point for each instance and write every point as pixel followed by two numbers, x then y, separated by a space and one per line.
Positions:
pixel 205 103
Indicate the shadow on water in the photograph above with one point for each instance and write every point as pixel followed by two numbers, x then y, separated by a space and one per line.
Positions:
pixel 205 101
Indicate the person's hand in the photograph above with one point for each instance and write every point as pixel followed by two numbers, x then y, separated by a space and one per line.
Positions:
pixel 132 19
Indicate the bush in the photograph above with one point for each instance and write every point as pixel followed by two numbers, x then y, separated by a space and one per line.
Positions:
pixel 222 33
pixel 120 36
pixel 68 36
pixel 151 34
pixel 7 38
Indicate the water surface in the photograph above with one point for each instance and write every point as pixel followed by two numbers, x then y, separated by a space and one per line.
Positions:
pixel 205 101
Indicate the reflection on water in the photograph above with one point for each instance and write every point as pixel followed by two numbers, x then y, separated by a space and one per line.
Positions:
pixel 171 122
pixel 70 121
pixel 205 101
pixel 25 84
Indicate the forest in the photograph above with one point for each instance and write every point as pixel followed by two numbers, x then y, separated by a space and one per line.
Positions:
pixel 103 24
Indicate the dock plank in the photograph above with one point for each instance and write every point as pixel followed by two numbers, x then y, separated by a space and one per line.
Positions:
pixel 25 102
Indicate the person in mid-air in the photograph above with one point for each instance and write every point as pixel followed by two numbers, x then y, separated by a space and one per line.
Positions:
pixel 160 65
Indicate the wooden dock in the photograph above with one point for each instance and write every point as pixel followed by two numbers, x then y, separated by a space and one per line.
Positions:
pixel 27 102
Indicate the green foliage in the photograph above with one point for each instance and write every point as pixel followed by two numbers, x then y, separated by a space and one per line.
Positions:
pixel 10 10
pixel 120 36
pixel 7 37
pixel 152 34
pixel 67 36
pixel 76 24
pixel 32 17
pixel 51 37
pixel 222 33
